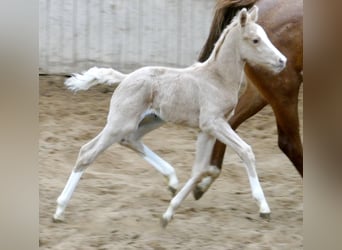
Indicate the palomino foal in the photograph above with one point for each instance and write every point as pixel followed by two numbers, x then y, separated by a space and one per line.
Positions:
pixel 203 95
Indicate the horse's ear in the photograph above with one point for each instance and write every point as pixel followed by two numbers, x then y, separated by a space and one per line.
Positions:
pixel 254 13
pixel 243 17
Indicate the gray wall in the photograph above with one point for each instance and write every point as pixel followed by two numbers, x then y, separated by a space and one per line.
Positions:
pixel 125 34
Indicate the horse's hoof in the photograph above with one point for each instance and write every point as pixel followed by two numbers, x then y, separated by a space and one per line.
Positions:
pixel 163 222
pixel 266 216
pixel 165 219
pixel 57 219
pixel 172 190
pixel 197 193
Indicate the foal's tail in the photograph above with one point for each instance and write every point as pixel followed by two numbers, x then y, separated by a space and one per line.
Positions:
pixel 94 76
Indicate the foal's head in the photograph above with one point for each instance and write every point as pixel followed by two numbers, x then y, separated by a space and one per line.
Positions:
pixel 255 47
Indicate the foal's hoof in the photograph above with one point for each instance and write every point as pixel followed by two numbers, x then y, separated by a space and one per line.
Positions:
pixel 57 219
pixel 197 193
pixel 265 216
pixel 164 220
pixel 172 190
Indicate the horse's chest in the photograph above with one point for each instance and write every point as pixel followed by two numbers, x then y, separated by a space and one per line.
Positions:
pixel 221 101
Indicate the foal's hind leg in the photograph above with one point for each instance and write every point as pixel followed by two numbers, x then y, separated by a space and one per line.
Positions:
pixel 133 141
pixel 87 155
pixel 158 163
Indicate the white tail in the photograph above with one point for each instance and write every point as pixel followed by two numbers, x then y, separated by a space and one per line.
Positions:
pixel 92 77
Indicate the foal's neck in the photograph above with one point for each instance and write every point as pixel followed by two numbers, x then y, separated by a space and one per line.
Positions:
pixel 225 60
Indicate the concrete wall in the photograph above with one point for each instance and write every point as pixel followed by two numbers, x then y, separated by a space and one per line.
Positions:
pixel 124 34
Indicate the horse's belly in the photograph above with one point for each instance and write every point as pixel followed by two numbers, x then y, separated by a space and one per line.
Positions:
pixel 179 114
pixel 178 102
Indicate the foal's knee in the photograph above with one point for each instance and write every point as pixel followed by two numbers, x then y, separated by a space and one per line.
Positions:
pixel 85 157
pixel 247 153
pixel 208 126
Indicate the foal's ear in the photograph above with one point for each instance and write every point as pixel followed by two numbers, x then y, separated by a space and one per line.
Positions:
pixel 253 12
pixel 243 17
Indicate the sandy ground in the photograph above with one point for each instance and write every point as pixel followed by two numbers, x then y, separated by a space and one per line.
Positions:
pixel 120 198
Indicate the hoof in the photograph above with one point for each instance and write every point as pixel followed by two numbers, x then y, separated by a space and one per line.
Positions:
pixel 172 190
pixel 266 216
pixel 164 222
pixel 197 193
pixel 57 219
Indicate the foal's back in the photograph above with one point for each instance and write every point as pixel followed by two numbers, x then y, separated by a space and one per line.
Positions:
pixel 174 94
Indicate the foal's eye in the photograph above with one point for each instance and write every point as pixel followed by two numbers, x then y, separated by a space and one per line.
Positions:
pixel 255 41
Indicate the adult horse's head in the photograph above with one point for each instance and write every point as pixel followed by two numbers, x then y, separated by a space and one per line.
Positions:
pixel 255 46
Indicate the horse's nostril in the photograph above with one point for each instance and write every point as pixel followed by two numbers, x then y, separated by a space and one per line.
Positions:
pixel 282 61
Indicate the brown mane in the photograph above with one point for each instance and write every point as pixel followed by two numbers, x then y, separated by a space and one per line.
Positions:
pixel 225 11
pixel 221 39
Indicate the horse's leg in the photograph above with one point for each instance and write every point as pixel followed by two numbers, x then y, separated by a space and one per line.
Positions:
pixel 289 140
pixel 163 167
pixel 147 124
pixel 200 169
pixel 223 132
pixel 158 163
pixel 133 142
pixel 249 104
pixel 87 155
pixel 282 95
pixel 281 91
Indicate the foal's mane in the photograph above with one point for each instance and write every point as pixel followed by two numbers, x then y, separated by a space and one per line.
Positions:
pixel 225 11
pixel 223 36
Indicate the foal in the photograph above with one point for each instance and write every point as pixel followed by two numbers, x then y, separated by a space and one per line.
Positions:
pixel 203 95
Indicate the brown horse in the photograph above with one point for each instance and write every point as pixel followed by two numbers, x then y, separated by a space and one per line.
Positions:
pixel 283 22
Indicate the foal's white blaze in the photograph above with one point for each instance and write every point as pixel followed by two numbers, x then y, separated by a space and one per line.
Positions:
pixel 257 47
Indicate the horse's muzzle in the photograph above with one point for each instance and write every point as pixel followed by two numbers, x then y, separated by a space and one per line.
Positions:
pixel 280 65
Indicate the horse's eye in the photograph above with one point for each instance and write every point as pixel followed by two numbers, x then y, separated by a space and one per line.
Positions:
pixel 255 41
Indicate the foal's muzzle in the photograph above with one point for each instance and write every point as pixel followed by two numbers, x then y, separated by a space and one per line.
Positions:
pixel 280 65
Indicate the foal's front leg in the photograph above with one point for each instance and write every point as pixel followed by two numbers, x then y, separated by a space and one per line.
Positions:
pixel 223 132
pixel 200 170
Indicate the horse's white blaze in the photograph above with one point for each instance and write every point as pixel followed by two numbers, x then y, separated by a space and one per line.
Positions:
pixel 274 55
pixel 203 96
pixel 263 52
